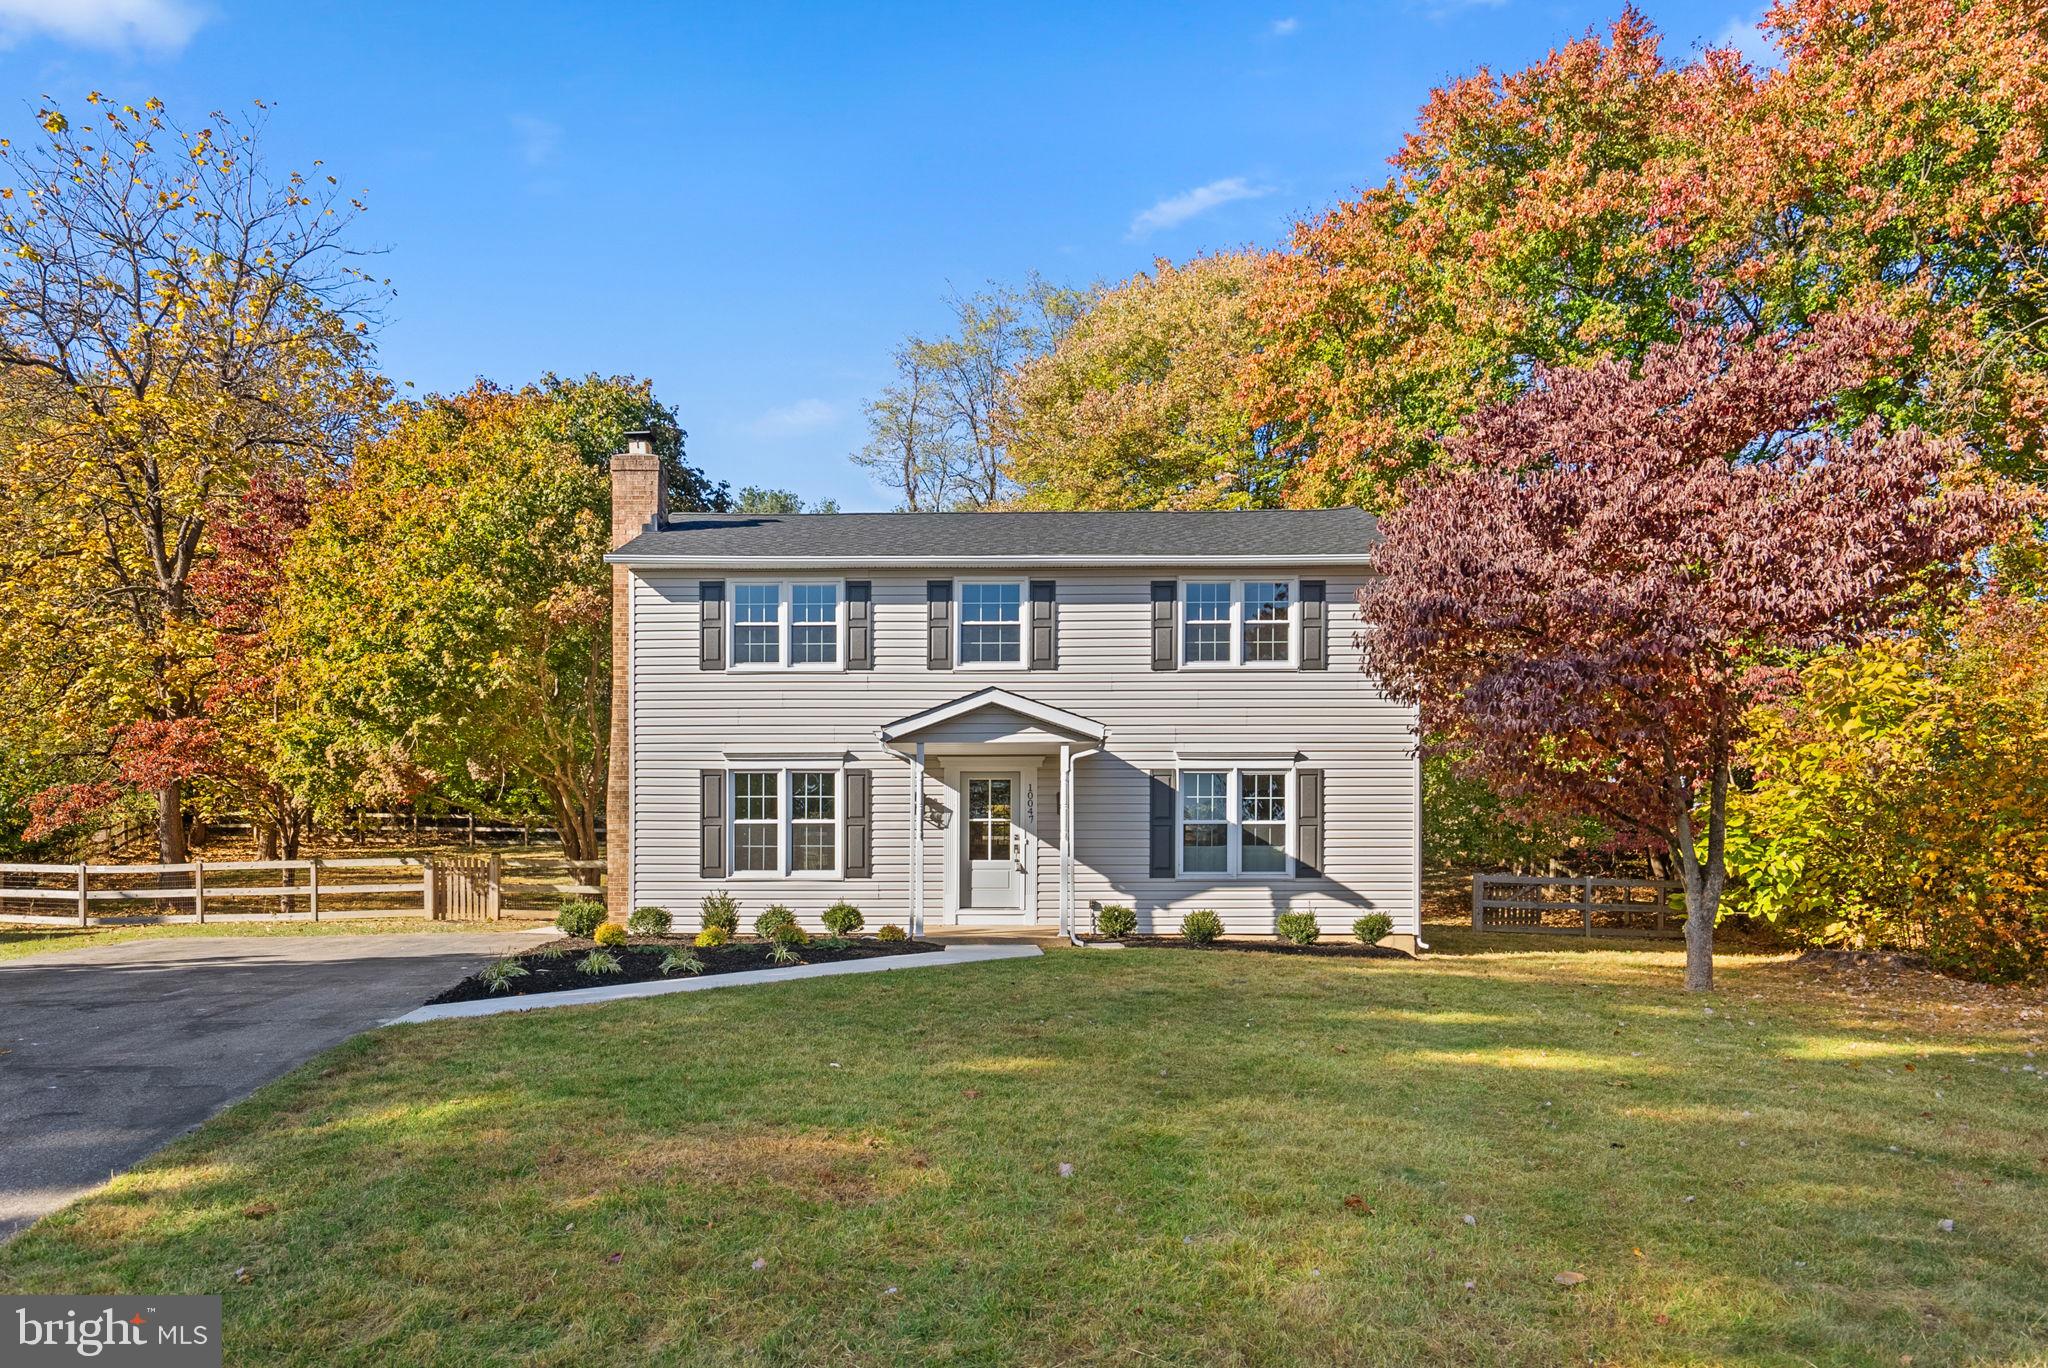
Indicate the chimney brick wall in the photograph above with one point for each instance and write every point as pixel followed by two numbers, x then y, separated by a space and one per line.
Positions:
pixel 638 496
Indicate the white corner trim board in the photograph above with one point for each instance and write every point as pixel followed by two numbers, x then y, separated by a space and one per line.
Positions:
pixel 582 997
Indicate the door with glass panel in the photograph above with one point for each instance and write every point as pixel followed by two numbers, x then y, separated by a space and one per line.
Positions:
pixel 993 880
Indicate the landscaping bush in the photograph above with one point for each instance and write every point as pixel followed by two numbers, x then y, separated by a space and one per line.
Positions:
pixel 598 962
pixel 843 919
pixel 892 932
pixel 580 917
pixel 610 934
pixel 720 909
pixel 1201 927
pixel 1297 928
pixel 783 952
pixel 778 924
pixel 1116 921
pixel 1372 926
pixel 498 977
pixel 649 921
pixel 681 962
pixel 713 935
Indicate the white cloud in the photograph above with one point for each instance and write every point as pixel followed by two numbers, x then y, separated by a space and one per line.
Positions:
pixel 540 140
pixel 1281 28
pixel 116 25
pixel 1746 38
pixel 1175 210
pixel 794 419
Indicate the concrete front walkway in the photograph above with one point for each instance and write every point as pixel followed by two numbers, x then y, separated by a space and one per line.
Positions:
pixel 112 1051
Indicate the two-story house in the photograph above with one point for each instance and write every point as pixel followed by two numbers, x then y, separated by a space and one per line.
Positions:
pixel 1003 719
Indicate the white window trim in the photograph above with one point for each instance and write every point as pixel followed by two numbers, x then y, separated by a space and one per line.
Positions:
pixel 785 822
pixel 1233 822
pixel 783 636
pixel 1237 660
pixel 960 624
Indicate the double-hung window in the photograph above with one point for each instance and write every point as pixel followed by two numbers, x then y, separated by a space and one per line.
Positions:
pixel 785 821
pixel 992 622
pixel 1234 822
pixel 787 624
pixel 1237 622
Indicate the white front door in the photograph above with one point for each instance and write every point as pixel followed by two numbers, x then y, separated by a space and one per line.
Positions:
pixel 993 880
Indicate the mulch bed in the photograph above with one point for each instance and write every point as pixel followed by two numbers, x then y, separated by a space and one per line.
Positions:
pixel 1319 950
pixel 640 962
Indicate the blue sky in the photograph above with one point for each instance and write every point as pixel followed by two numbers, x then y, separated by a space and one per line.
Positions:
pixel 751 203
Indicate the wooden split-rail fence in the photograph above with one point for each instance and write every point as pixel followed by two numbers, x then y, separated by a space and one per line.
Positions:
pixel 438 888
pixel 1577 904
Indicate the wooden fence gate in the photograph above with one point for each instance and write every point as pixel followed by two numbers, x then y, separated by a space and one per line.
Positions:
pixel 464 889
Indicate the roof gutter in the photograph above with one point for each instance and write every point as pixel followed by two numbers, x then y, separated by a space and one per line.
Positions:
pixel 634 561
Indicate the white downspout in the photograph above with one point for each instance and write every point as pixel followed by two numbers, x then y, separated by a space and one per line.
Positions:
pixel 1068 755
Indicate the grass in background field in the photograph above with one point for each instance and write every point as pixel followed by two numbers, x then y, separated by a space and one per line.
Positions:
pixel 1272 1162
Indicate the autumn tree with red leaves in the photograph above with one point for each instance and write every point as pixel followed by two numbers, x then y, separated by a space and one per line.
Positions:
pixel 1589 595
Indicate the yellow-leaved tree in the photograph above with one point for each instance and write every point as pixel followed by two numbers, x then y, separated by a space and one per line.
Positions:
pixel 177 320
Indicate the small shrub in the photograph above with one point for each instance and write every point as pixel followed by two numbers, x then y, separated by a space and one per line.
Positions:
pixel 579 917
pixel 1298 928
pixel 1372 926
pixel 892 932
pixel 713 935
pixel 1201 927
pixel 843 919
pixel 720 909
pixel 598 963
pixel 609 935
pixel 681 962
pixel 778 924
pixel 782 952
pixel 649 921
pixel 1116 921
pixel 498 977
pixel 551 952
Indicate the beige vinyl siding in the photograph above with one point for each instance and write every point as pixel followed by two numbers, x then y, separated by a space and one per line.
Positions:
pixel 685 719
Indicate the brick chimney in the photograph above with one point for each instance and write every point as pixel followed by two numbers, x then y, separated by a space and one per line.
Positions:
pixel 639 496
pixel 638 492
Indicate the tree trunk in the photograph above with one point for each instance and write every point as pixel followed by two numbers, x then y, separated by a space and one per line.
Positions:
pixel 1705 880
pixel 170 823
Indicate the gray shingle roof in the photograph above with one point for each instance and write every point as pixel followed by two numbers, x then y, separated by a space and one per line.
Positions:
pixel 1323 534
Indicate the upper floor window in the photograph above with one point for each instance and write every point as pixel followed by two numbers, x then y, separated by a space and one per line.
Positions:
pixel 780 622
pixel 992 622
pixel 1237 622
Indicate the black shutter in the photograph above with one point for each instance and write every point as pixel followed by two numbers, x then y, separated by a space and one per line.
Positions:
pixel 938 618
pixel 711 625
pixel 1045 625
pixel 1162 824
pixel 1315 625
pixel 1308 824
pixel 711 825
pixel 1164 594
pixel 860 625
pixel 859 824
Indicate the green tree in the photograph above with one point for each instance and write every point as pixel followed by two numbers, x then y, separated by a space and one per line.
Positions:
pixel 753 499
pixel 449 606
pixel 1139 404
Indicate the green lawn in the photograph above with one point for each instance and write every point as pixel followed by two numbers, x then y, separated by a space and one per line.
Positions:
pixel 1272 1160
pixel 17 941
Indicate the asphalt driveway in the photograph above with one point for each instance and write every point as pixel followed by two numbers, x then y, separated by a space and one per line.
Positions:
pixel 115 1050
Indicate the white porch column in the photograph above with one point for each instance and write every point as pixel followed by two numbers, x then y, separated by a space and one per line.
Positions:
pixel 917 843
pixel 1066 839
